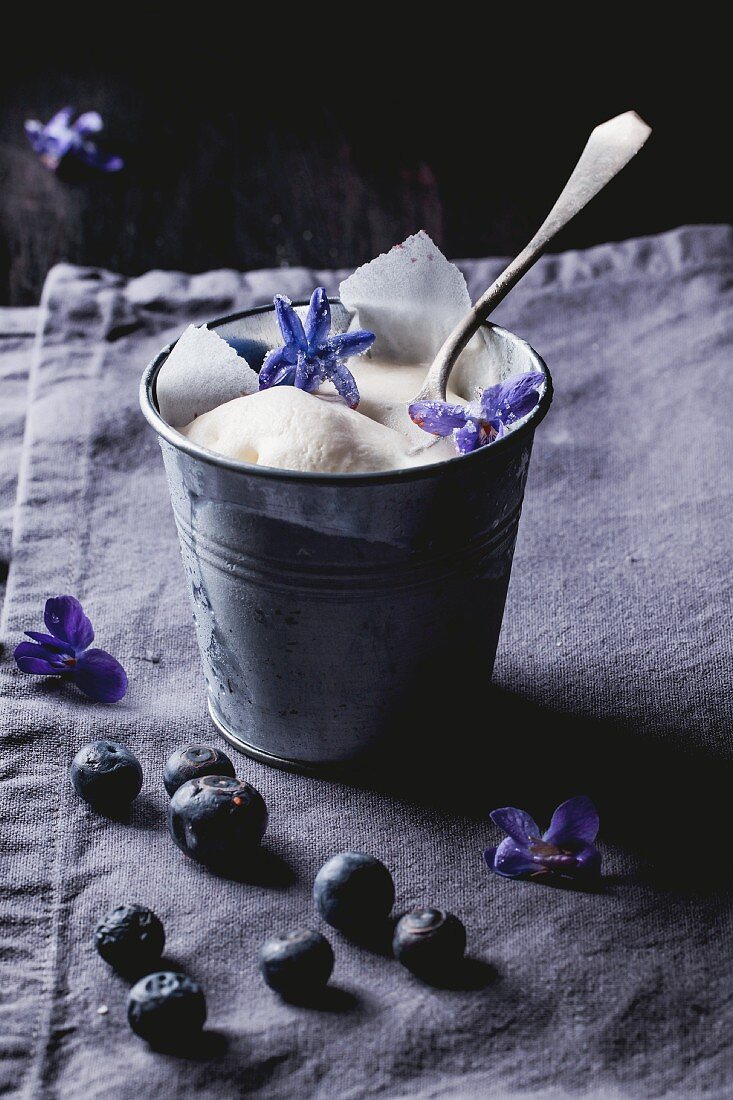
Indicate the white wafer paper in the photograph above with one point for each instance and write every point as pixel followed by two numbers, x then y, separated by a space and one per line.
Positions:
pixel 201 372
pixel 412 297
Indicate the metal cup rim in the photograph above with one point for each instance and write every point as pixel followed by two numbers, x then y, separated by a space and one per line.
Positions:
pixel 411 473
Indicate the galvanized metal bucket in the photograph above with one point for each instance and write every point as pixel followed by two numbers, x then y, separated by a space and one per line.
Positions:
pixel 334 610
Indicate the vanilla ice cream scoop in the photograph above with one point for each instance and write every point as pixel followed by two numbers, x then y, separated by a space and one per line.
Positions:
pixel 287 428
pixel 411 297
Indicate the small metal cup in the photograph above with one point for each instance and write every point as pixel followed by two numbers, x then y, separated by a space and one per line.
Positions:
pixel 334 611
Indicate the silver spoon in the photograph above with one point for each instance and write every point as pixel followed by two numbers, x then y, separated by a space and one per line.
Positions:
pixel 610 147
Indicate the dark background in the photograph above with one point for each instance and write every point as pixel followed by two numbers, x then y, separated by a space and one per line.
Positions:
pixel 246 159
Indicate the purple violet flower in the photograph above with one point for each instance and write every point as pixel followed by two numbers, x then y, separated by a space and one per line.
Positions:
pixel 484 420
pixel 310 356
pixel 65 652
pixel 566 850
pixel 60 137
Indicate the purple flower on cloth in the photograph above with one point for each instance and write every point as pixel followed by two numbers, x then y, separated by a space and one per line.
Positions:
pixel 566 850
pixel 310 356
pixel 487 418
pixel 65 652
pixel 60 137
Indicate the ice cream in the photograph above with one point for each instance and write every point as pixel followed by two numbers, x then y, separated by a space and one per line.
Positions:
pixel 288 428
pixel 411 298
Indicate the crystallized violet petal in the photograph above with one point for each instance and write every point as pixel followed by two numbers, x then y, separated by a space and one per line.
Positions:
pixel 412 297
pixel 201 372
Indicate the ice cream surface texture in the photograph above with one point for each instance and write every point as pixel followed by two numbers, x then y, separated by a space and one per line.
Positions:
pixel 288 428
pixel 411 298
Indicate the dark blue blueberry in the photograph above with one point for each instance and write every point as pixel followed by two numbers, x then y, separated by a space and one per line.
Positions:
pixel 296 964
pixel 217 820
pixel 193 762
pixel 429 942
pixel 353 891
pixel 130 938
pixel 166 1008
pixel 106 774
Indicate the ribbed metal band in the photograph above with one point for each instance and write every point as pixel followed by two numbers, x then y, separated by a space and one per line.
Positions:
pixel 425 571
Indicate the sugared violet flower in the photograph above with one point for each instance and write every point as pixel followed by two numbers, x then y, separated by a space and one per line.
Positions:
pixel 487 418
pixel 310 356
pixel 60 137
pixel 566 850
pixel 65 652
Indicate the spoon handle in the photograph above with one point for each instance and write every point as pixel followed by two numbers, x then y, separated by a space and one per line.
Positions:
pixel 609 148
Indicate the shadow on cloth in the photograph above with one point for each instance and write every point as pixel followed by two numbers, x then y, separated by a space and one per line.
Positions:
pixel 332 998
pixel 260 866
pixel 205 1047
pixel 664 802
pixel 471 975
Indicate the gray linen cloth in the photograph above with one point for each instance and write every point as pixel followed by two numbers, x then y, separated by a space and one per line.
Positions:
pixel 17 333
pixel 613 678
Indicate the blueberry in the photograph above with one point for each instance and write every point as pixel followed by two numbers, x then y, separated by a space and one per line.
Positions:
pixel 217 820
pixel 353 891
pixel 106 774
pixel 130 938
pixel 429 942
pixel 192 762
pixel 296 964
pixel 166 1008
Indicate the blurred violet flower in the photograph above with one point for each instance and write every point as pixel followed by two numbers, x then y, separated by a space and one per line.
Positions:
pixel 60 137
pixel 65 652
pixel 310 356
pixel 566 850
pixel 484 420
